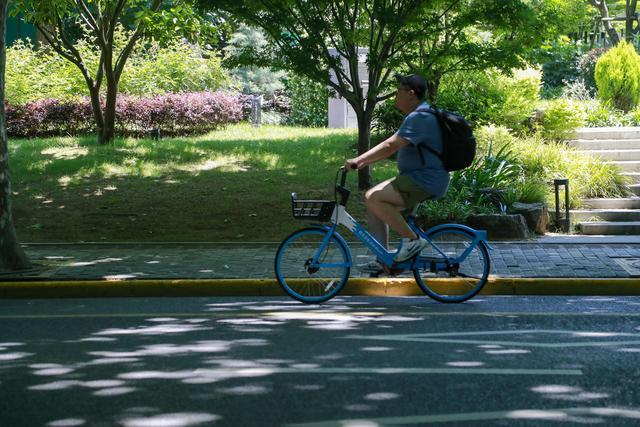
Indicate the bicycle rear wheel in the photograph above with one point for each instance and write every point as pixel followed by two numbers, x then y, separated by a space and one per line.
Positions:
pixel 301 280
pixel 463 279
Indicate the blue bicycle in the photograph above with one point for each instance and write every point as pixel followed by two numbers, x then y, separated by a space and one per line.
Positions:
pixel 313 264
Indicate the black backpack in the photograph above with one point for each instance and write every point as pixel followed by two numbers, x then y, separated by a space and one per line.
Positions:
pixel 458 142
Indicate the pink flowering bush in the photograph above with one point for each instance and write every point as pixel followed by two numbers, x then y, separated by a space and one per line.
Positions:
pixel 169 115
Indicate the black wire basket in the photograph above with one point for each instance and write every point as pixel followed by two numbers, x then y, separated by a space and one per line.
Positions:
pixel 320 210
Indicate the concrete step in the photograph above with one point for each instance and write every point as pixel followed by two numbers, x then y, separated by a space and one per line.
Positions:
pixel 605 144
pixel 621 203
pixel 615 155
pixel 635 189
pixel 627 165
pixel 606 215
pixel 608 133
pixel 634 177
pixel 605 227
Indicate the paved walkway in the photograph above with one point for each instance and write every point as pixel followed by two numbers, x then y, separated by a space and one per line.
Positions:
pixel 548 257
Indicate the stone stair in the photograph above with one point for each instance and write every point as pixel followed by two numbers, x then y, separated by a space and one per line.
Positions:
pixel 621 147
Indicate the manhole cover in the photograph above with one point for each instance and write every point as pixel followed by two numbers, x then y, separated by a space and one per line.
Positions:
pixel 630 265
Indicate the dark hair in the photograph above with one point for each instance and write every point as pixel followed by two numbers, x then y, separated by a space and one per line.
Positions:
pixel 414 82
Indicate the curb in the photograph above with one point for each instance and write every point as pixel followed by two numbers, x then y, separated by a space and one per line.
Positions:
pixel 270 287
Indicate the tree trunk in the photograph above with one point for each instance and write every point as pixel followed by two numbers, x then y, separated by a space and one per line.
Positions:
pixel 108 132
pixel 601 5
pixel 97 109
pixel 631 21
pixel 12 257
pixel 432 89
pixel 364 143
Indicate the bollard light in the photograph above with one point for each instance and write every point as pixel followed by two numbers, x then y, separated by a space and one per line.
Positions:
pixel 566 222
pixel 256 110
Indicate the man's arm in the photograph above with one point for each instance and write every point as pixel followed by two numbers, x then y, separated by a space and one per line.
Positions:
pixel 379 152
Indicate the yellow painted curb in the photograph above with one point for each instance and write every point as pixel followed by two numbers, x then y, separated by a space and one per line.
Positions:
pixel 270 287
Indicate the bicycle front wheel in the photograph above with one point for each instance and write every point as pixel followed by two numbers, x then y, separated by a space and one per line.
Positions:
pixel 464 277
pixel 300 278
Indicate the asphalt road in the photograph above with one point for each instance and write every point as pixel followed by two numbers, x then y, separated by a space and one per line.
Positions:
pixel 362 362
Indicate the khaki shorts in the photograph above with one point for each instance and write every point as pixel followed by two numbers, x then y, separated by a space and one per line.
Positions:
pixel 409 190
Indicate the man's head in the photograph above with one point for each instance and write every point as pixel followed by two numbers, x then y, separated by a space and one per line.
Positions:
pixel 411 92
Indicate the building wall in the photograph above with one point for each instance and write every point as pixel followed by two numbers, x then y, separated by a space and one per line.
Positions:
pixel 341 115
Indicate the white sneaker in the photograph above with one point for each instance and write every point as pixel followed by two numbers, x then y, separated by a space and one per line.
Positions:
pixel 410 248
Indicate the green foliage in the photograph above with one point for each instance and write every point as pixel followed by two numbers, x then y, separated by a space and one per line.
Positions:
pixel 35 74
pixel 559 62
pixel 309 102
pixel 589 176
pixel 492 97
pixel 387 118
pixel 618 76
pixel 176 67
pixel 498 169
pixel 587 67
pixel 251 78
pixel 561 118
pixel 600 114
pixel 38 74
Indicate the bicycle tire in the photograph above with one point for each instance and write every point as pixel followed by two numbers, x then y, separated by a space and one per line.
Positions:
pixel 462 283
pixel 292 272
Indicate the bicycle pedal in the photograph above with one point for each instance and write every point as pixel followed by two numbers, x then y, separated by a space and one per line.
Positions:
pixel 392 271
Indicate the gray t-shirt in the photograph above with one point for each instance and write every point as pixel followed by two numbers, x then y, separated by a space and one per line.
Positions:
pixel 423 129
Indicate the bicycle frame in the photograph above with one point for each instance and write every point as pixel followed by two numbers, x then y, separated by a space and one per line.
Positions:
pixel 340 216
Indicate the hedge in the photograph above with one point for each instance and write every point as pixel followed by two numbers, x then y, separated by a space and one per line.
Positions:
pixel 171 114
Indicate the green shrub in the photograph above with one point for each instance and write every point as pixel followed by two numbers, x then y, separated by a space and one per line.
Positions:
pixel 178 67
pixel 309 102
pixel 588 176
pixel 386 118
pixel 600 115
pixel 587 67
pixel 559 62
pixel 561 118
pixel 491 97
pixel 35 74
pixel 618 76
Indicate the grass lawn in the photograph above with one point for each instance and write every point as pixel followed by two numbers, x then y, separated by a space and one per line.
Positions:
pixel 229 185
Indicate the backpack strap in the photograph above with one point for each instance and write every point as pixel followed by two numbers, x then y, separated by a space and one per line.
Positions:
pixel 426 147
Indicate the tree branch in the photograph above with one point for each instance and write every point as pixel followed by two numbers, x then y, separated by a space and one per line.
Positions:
pixel 124 54
pixel 86 14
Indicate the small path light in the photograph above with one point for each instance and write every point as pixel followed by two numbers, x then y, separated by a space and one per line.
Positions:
pixel 557 183
pixel 256 110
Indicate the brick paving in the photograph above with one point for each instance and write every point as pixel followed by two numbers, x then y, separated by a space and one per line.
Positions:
pixel 255 260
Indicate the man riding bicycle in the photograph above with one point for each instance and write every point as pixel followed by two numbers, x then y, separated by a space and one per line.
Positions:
pixel 422 174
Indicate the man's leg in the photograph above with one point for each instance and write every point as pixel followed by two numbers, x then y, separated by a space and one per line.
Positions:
pixel 378 229
pixel 385 203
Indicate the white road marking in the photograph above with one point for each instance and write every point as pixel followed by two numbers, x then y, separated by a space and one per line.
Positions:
pixel 449 338
pixel 519 414
pixel 263 371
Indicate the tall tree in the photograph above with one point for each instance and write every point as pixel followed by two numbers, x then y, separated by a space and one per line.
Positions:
pixel 12 257
pixel 101 18
pixel 307 35
pixel 312 38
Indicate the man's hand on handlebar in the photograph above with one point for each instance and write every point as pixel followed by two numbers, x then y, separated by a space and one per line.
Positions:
pixel 351 164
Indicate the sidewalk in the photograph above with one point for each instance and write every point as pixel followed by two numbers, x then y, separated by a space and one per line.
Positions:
pixel 557 257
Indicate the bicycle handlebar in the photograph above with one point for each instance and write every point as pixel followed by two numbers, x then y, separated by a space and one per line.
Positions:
pixel 344 193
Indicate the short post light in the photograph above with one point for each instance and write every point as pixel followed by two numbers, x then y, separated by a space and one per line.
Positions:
pixel 566 221
pixel 256 110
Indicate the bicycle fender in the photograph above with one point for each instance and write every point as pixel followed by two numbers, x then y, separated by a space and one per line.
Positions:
pixel 481 234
